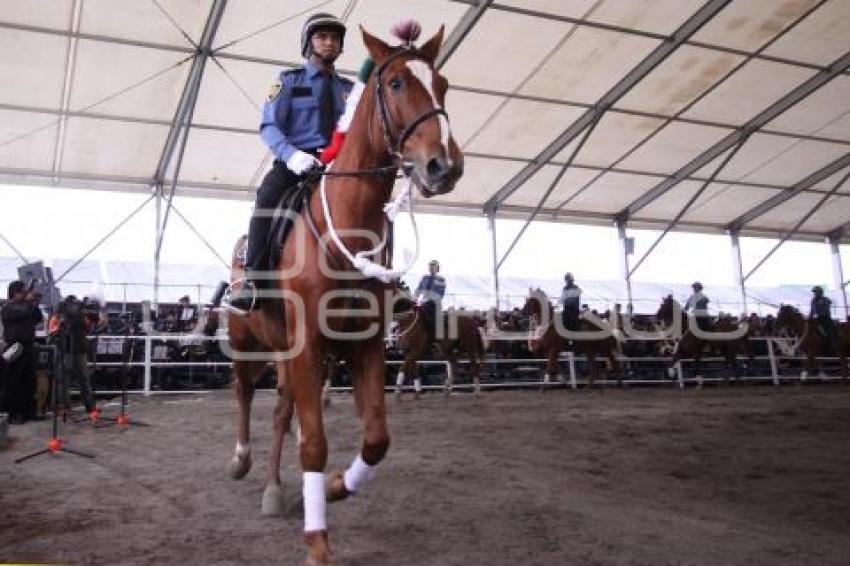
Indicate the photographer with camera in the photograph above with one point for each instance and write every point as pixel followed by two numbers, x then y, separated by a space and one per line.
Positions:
pixel 20 315
pixel 69 328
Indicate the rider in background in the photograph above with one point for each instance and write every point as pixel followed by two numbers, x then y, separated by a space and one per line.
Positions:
pixel 571 300
pixel 298 119
pixel 697 304
pixel 429 295
pixel 821 311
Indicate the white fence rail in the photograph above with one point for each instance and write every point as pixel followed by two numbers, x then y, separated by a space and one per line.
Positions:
pixel 569 362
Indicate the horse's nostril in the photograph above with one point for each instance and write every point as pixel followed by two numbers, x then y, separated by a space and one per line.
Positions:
pixel 437 168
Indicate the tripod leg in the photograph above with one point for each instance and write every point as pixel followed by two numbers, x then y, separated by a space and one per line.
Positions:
pixel 33 455
pixel 76 452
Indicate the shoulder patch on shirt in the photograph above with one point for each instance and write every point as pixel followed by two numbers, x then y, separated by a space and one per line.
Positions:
pixel 274 90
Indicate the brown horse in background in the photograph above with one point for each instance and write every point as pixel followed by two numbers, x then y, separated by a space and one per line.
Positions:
pixel 812 343
pixel 399 121
pixel 548 339
pixel 460 334
pixel 690 346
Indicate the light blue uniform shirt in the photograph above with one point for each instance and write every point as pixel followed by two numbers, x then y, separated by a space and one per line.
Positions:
pixel 291 114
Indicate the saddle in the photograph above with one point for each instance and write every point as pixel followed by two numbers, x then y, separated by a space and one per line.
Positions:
pixel 288 208
pixel 293 201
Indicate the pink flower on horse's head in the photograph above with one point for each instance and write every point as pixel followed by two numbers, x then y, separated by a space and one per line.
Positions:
pixel 407 31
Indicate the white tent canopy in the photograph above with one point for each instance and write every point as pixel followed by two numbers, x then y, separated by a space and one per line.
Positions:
pixel 96 93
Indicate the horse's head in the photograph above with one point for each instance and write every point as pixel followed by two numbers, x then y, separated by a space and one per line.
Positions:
pixel 410 95
pixel 788 320
pixel 536 301
pixel 668 308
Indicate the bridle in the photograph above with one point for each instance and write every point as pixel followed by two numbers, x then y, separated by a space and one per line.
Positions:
pixel 395 143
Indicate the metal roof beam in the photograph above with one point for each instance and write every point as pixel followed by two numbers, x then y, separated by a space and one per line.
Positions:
pixel 650 62
pixel 461 30
pixel 754 124
pixel 644 33
pixel 96 37
pixel 190 91
pixel 799 224
pixel 801 186
pixel 837 234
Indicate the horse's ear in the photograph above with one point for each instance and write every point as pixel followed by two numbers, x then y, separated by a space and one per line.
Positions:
pixel 432 47
pixel 378 50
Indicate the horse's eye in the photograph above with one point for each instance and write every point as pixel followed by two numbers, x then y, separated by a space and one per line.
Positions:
pixel 395 83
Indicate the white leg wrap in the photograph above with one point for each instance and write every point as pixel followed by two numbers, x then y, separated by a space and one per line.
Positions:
pixel 545 378
pixel 314 502
pixel 242 449
pixel 358 474
pixel 399 380
pixel 417 385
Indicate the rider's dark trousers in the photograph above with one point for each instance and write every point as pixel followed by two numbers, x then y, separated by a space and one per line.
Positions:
pixel 277 182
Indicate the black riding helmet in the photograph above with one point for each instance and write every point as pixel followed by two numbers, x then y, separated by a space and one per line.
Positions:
pixel 318 21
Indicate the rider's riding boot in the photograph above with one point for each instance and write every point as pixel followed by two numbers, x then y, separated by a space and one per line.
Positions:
pixel 243 294
pixel 220 290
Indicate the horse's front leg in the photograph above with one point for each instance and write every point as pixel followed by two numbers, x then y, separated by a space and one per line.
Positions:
pixel 305 382
pixel 272 504
pixel 552 367
pixel 369 396
pixel 592 370
pixel 243 385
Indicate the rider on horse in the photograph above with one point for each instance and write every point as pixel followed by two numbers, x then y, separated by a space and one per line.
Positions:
pixel 821 312
pixel 429 296
pixel 697 303
pixel 571 299
pixel 298 119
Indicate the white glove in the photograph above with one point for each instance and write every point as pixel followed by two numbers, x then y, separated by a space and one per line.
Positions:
pixel 301 162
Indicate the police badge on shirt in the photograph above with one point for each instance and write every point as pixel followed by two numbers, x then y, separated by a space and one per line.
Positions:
pixel 274 90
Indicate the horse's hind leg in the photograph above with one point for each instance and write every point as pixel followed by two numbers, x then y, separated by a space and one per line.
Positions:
pixel 369 395
pixel 244 372
pixel 272 504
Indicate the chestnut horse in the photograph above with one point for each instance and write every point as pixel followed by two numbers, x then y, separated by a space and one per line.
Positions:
pixel 812 343
pixel 548 337
pixel 319 305
pixel 731 338
pixel 462 335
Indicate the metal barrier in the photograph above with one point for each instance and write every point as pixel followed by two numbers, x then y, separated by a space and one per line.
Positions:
pixel 568 359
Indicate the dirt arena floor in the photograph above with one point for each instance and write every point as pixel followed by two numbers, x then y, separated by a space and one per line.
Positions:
pixel 745 475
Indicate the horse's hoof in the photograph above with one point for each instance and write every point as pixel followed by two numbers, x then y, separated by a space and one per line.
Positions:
pixel 239 466
pixel 335 489
pixel 272 505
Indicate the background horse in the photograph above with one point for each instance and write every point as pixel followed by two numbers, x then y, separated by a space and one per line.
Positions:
pixel 547 339
pixel 811 341
pixel 460 335
pixel 399 120
pixel 691 346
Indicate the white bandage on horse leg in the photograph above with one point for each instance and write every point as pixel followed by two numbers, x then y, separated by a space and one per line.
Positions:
pixel 417 385
pixel 358 474
pixel 314 502
pixel 399 380
pixel 242 449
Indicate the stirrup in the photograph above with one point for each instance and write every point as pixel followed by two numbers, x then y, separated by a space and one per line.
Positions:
pixel 237 301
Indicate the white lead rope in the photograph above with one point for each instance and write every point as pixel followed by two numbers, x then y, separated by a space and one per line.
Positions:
pixel 361 260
